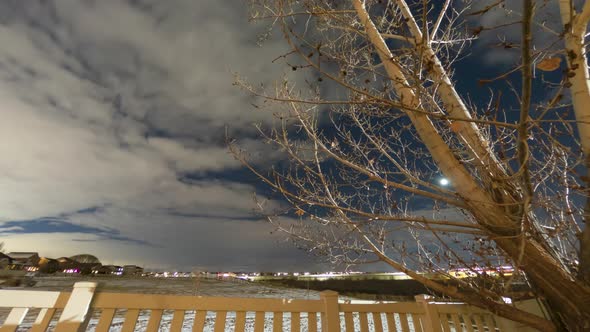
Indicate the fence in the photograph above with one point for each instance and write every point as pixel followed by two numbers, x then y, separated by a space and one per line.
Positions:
pixel 84 309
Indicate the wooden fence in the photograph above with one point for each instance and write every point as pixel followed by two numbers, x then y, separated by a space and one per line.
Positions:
pixel 86 310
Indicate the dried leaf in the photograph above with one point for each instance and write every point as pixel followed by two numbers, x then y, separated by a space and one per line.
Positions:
pixel 299 212
pixel 549 64
pixel 456 126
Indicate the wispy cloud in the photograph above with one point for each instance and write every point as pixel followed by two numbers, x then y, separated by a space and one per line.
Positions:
pixel 498 44
pixel 54 225
pixel 107 104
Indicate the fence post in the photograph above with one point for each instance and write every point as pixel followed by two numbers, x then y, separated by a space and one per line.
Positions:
pixel 75 314
pixel 331 314
pixel 431 321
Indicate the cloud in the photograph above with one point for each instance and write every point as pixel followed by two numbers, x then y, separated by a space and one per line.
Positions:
pixel 55 225
pixel 106 105
pixel 505 28
pixel 212 244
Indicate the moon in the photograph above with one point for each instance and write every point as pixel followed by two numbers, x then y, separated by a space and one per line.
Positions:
pixel 444 182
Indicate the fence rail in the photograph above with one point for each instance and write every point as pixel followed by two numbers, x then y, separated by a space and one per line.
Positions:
pixel 85 309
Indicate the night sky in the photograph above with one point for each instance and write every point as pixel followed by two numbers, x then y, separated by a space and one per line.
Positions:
pixel 114 117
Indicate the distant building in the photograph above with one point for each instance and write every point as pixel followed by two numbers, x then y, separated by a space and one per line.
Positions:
pixel 101 269
pixel 66 264
pixel 5 260
pixel 48 265
pixel 130 270
pixel 86 259
pixel 25 258
pixel 71 266
pixel 112 269
pixel 226 275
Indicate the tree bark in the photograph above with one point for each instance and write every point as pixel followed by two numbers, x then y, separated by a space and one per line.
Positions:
pixel 569 299
pixel 575 25
pixel 468 131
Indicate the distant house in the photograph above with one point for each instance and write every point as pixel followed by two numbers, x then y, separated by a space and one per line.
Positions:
pixel 85 263
pixel 66 264
pixel 5 260
pixel 25 258
pixel 86 259
pixel 111 269
pixel 71 265
pixel 101 269
pixel 130 270
pixel 48 265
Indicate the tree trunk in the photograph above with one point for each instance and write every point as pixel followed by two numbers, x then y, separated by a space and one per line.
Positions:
pixel 568 299
pixel 584 237
pixel 575 29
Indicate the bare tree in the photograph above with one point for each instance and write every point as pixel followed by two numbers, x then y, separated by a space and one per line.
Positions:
pixel 379 121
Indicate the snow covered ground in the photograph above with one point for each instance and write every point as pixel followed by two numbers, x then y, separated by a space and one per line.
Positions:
pixel 179 286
